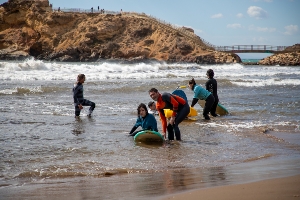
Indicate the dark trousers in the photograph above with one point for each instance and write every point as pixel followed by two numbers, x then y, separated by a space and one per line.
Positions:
pixel 85 102
pixel 208 105
pixel 214 107
pixel 181 115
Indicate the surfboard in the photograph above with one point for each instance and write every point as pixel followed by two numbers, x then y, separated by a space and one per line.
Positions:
pixel 149 137
pixel 193 112
pixel 221 110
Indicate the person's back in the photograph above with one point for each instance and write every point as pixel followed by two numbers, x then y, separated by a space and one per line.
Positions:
pixel 212 86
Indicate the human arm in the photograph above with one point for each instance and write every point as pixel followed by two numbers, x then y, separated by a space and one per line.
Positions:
pixel 194 101
pixel 163 121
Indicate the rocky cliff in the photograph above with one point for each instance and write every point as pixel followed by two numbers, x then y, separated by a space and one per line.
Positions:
pixel 32 28
pixel 290 57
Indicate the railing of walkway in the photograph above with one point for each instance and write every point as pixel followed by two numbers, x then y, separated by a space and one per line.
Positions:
pixel 251 48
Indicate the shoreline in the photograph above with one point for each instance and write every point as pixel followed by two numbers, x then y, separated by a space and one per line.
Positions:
pixel 275 188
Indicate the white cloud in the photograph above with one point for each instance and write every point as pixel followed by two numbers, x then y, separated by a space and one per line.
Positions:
pixel 234 26
pixel 240 15
pixel 291 29
pixel 261 29
pixel 257 12
pixel 219 15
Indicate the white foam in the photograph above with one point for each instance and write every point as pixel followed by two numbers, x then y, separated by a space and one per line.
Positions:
pixel 238 74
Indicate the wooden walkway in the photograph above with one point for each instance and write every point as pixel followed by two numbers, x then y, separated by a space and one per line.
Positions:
pixel 251 49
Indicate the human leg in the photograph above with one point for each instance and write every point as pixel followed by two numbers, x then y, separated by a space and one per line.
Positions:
pixel 181 115
pixel 214 108
pixel 77 111
pixel 89 103
pixel 208 104
pixel 170 132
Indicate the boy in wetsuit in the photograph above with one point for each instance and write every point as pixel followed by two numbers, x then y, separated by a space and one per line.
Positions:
pixel 79 101
pixel 212 86
pixel 175 103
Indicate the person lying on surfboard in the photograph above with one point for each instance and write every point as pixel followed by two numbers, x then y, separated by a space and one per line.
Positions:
pixel 203 94
pixel 79 100
pixel 212 86
pixel 178 105
pixel 145 120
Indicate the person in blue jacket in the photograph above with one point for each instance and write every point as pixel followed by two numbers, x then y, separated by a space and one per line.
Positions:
pixel 145 120
pixel 203 94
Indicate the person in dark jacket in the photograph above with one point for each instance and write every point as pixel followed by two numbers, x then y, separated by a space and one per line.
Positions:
pixel 79 100
pixel 175 103
pixel 212 86
pixel 144 119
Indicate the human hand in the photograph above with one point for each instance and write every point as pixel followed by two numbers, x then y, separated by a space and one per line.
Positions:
pixel 165 135
pixel 172 120
pixel 80 106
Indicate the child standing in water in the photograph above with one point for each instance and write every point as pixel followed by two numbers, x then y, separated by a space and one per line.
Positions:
pixel 212 86
pixel 79 101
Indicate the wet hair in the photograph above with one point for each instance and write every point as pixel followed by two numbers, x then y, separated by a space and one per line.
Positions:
pixel 150 103
pixel 142 105
pixel 192 82
pixel 153 90
pixel 210 73
pixel 80 76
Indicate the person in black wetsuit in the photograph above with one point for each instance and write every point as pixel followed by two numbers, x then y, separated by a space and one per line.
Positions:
pixel 212 86
pixel 79 100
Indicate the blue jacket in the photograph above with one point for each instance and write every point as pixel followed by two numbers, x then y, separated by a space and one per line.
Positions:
pixel 147 123
pixel 201 93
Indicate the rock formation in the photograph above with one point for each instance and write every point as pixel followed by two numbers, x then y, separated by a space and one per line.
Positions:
pixel 32 28
pixel 290 57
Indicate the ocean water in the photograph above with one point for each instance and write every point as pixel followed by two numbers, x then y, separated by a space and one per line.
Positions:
pixel 48 154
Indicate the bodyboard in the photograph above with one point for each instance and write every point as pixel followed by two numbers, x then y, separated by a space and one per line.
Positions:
pixel 193 112
pixel 149 137
pixel 221 110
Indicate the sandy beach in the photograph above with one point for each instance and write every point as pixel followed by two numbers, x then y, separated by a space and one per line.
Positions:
pixel 278 188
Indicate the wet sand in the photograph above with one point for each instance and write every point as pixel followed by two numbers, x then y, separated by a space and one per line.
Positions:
pixel 278 188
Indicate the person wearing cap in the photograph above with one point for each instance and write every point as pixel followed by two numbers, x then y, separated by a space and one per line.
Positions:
pixel 212 86
pixel 175 103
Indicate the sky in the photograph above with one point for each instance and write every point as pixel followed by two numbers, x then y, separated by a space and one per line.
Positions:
pixel 219 22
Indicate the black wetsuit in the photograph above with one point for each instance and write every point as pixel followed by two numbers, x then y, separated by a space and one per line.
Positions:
pixel 78 99
pixel 212 86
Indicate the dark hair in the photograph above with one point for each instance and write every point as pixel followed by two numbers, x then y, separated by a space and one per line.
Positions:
pixel 192 82
pixel 80 76
pixel 210 73
pixel 150 103
pixel 153 90
pixel 142 105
